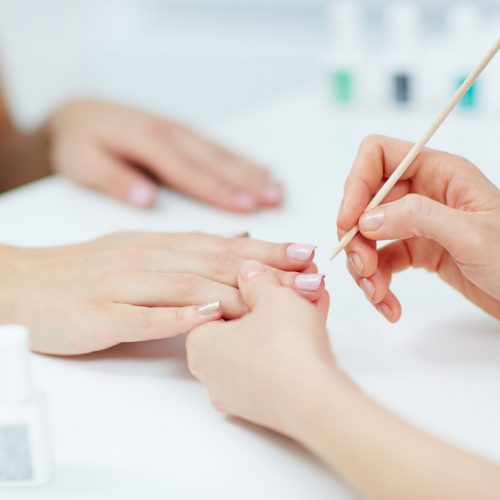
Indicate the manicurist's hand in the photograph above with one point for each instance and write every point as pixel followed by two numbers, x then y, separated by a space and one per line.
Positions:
pixel 256 367
pixel 120 150
pixel 274 368
pixel 444 214
pixel 128 287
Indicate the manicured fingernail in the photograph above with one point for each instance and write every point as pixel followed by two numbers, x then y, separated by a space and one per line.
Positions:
pixel 385 310
pixel 372 220
pixel 271 193
pixel 340 210
pixel 142 195
pixel 251 268
pixel 245 201
pixel 210 308
pixel 309 282
pixel 300 252
pixel 356 262
pixel 368 287
pixel 236 234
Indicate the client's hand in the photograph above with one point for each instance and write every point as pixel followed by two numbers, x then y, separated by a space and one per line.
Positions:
pixel 128 287
pixel 444 213
pixel 123 151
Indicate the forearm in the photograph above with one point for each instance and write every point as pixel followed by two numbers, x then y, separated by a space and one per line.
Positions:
pixel 383 457
pixel 23 158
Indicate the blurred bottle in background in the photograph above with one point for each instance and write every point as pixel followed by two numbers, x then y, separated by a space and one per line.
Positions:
pixel 400 61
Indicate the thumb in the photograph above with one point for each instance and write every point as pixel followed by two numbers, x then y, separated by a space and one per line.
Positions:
pixel 257 283
pixel 122 181
pixel 414 215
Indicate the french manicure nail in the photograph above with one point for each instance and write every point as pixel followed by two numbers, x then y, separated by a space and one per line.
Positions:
pixel 372 220
pixel 141 195
pixel 251 268
pixel 300 252
pixel 210 308
pixel 368 287
pixel 356 262
pixel 271 193
pixel 385 310
pixel 309 282
pixel 245 201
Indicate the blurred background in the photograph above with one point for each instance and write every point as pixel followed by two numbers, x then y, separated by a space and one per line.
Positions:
pixel 205 59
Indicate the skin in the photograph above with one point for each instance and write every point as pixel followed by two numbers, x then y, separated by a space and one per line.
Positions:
pixel 128 153
pixel 274 367
pixel 129 287
pixel 444 214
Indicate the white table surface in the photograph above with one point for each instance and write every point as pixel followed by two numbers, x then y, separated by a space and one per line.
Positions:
pixel 132 423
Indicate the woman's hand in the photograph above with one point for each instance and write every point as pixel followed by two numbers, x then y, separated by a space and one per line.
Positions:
pixel 258 367
pixel 123 152
pixel 128 287
pixel 274 368
pixel 444 213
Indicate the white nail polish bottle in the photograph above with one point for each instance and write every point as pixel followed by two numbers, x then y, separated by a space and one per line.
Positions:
pixel 24 442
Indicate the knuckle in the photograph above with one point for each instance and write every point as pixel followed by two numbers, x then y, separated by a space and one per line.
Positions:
pixel 222 263
pixel 140 318
pixel 181 315
pixel 185 284
pixel 156 128
pixel 370 142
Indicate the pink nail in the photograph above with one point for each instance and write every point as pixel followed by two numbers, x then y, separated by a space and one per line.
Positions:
pixel 309 282
pixel 300 252
pixel 340 210
pixel 271 193
pixel 385 310
pixel 368 287
pixel 371 221
pixel 245 201
pixel 356 262
pixel 142 195
pixel 209 309
pixel 251 268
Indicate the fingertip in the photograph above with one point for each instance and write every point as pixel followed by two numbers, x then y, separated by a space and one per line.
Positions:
pixel 300 252
pixel 142 194
pixel 390 308
pixel 271 195
pixel 251 268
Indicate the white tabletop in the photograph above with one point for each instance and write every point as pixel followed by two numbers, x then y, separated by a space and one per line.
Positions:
pixel 132 423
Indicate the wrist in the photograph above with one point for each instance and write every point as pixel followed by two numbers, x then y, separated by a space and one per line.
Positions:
pixel 305 404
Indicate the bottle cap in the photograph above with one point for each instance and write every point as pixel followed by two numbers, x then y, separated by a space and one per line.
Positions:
pixel 15 374
pixel 345 19
pixel 403 24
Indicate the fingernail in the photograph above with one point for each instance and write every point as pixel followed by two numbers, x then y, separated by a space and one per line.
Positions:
pixel 251 268
pixel 209 309
pixel 300 252
pixel 356 262
pixel 142 195
pixel 368 287
pixel 238 234
pixel 372 220
pixel 309 282
pixel 340 210
pixel 385 310
pixel 245 201
pixel 271 193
